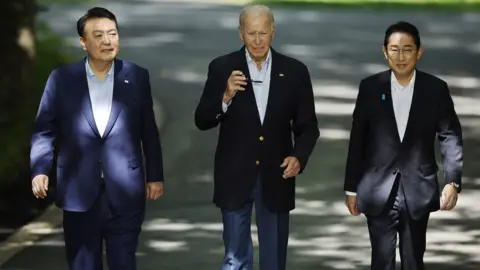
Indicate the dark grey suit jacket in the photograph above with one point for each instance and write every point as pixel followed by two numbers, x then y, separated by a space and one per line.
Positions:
pixel 376 155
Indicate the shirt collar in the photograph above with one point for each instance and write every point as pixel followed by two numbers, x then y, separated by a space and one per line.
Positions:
pixel 250 60
pixel 90 72
pixel 394 80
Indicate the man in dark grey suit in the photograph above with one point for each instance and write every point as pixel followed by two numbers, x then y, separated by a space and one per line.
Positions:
pixel 391 172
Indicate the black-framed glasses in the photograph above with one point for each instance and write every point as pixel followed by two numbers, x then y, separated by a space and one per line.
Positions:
pixel 264 71
pixel 254 81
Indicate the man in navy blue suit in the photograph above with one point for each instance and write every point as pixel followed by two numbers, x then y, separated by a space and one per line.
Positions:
pixel 263 103
pixel 99 114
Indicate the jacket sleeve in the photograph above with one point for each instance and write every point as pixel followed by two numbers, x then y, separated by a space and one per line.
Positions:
pixel 209 111
pixel 150 136
pixel 305 124
pixel 357 143
pixel 44 131
pixel 449 133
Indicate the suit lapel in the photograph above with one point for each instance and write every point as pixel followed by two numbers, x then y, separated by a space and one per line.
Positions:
pixel 275 70
pixel 415 107
pixel 241 64
pixel 386 96
pixel 274 82
pixel 82 85
pixel 120 96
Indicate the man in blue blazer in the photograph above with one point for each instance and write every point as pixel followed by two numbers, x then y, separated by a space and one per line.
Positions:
pixel 98 113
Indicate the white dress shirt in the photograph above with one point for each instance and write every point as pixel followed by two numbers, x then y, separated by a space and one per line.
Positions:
pixel 402 100
pixel 261 90
pixel 101 96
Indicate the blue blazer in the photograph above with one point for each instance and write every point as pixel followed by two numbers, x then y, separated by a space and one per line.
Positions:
pixel 65 119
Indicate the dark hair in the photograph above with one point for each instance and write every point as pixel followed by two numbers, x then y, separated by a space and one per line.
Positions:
pixel 94 13
pixel 403 27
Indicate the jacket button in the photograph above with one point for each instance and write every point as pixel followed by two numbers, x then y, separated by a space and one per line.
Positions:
pixel 257 162
pixel 261 138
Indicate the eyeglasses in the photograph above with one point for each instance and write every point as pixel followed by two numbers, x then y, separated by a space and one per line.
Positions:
pixel 394 52
pixel 264 71
pixel 255 81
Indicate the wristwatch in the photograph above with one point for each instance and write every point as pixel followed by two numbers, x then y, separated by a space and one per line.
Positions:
pixel 455 185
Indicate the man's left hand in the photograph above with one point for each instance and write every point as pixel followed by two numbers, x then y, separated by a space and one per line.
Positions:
pixel 292 167
pixel 154 190
pixel 449 197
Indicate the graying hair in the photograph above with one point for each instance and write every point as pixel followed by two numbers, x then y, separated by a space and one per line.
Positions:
pixel 256 10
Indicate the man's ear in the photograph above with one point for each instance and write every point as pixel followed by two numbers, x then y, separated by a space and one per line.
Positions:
pixel 82 43
pixel 385 53
pixel 420 52
pixel 240 34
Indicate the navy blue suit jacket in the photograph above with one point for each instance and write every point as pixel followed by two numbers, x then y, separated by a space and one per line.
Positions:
pixel 65 117
pixel 246 146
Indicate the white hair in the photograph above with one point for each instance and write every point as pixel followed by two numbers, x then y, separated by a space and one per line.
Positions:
pixel 256 10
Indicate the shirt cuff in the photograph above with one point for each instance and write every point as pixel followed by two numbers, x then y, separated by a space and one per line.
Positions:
pixel 349 193
pixel 225 106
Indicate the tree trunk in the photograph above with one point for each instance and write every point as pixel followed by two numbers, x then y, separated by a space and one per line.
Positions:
pixel 17 54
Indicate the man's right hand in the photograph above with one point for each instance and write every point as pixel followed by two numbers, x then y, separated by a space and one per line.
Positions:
pixel 40 186
pixel 351 202
pixel 236 82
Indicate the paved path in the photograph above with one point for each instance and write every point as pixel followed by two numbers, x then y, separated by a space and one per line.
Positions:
pixel 177 41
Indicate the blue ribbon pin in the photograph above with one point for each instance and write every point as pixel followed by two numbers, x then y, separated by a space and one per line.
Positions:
pixel 383 96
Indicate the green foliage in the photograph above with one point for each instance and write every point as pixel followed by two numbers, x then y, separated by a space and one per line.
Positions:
pixel 48 2
pixel 49 56
pixel 396 5
pixel 16 138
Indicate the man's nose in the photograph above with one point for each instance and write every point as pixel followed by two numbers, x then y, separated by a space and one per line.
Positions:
pixel 257 39
pixel 107 40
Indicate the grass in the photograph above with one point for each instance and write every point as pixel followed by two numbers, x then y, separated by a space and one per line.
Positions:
pixel 410 5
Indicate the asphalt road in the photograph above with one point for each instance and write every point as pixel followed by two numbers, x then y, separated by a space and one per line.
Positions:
pixel 177 41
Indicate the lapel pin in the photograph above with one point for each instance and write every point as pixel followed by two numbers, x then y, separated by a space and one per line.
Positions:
pixel 281 74
pixel 126 81
pixel 383 96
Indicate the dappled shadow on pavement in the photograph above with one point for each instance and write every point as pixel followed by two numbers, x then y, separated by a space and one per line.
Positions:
pixel 183 229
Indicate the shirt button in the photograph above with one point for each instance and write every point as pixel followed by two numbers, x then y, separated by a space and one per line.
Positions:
pixel 257 162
